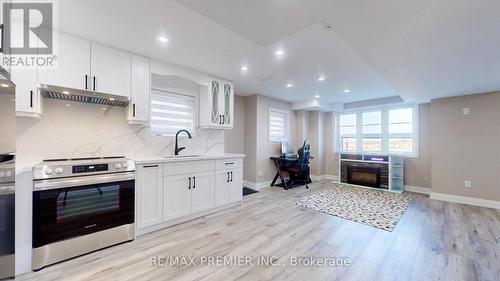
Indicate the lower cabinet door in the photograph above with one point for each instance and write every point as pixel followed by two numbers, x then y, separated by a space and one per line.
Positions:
pixel 221 188
pixel 236 185
pixel 176 197
pixel 149 186
pixel 202 191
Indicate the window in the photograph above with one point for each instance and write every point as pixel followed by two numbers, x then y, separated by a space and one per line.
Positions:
pixel 278 125
pixel 170 113
pixel 401 130
pixel 372 131
pixel 347 124
pixel 384 131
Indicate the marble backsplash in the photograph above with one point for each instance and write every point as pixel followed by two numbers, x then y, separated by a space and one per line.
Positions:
pixel 84 130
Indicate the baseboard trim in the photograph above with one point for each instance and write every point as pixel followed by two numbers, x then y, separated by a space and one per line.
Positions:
pixel 418 189
pixel 256 185
pixel 465 200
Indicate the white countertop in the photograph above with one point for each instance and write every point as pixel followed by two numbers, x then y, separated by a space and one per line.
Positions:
pixel 154 160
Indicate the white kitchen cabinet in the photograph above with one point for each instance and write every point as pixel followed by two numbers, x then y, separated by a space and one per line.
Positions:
pixel 177 197
pixel 149 192
pixel 140 86
pixel 187 194
pixel 188 190
pixel 28 98
pixel 72 69
pixel 228 186
pixel 221 188
pixel 235 185
pixel 110 70
pixel 202 192
pixel 217 104
pixel 228 181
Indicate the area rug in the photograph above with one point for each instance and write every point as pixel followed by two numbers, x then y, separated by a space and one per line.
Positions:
pixel 375 208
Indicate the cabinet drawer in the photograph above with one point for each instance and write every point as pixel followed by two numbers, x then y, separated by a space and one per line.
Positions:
pixel 188 167
pixel 232 163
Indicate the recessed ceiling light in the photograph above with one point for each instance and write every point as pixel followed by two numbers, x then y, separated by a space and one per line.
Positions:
pixel 244 68
pixel 65 92
pixel 289 85
pixel 347 91
pixel 68 105
pixel 4 85
pixel 163 39
pixel 321 78
pixel 280 53
pixel 316 96
pixel 104 108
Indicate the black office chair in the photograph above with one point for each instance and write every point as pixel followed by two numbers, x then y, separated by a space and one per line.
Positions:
pixel 299 171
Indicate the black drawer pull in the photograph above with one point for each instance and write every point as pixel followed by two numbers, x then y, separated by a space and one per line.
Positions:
pixel 229 163
pixel 151 166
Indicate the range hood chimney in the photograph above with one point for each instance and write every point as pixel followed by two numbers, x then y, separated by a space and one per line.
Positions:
pixel 86 96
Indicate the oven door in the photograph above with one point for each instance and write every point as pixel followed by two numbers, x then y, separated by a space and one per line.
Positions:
pixel 68 208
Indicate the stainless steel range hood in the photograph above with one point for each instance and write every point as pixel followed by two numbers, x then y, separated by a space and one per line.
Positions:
pixel 86 96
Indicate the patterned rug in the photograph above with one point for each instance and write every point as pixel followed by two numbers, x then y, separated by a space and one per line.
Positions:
pixel 379 209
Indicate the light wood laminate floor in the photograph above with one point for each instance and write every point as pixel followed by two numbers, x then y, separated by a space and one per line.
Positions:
pixel 434 240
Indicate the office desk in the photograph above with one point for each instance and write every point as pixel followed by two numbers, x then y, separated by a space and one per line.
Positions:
pixel 282 162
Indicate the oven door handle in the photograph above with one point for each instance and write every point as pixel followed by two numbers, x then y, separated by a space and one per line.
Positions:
pixel 80 181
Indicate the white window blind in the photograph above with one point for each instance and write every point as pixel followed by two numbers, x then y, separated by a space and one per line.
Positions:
pixel 170 113
pixel 278 125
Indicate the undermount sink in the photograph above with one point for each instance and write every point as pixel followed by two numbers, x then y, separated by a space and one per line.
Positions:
pixel 183 156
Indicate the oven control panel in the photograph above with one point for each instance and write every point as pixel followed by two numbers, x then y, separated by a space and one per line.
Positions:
pixel 90 168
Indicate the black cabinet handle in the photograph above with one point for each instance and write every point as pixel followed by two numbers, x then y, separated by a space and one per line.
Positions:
pixel 1 46
pixel 151 166
pixel 223 119
pixel 86 81
pixel 31 98
pixel 133 109
pixel 194 182
pixel 94 83
pixel 189 183
pixel 227 176
pixel 231 176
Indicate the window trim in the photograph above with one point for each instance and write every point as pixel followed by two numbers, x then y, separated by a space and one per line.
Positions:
pixel 384 133
pixel 287 126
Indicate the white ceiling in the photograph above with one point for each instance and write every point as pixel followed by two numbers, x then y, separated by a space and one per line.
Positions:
pixel 377 48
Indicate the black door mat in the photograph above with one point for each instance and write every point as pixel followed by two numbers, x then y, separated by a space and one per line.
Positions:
pixel 248 191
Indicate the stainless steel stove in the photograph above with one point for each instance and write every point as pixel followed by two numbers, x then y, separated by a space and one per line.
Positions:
pixel 81 205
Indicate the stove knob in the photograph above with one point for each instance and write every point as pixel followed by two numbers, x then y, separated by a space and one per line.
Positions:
pixel 2 174
pixel 48 171
pixel 8 174
pixel 125 165
pixel 59 170
pixel 118 166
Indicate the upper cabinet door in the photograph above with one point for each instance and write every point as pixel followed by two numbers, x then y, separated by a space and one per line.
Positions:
pixel 228 104
pixel 140 90
pixel 111 70
pixel 215 86
pixel 217 104
pixel 72 68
